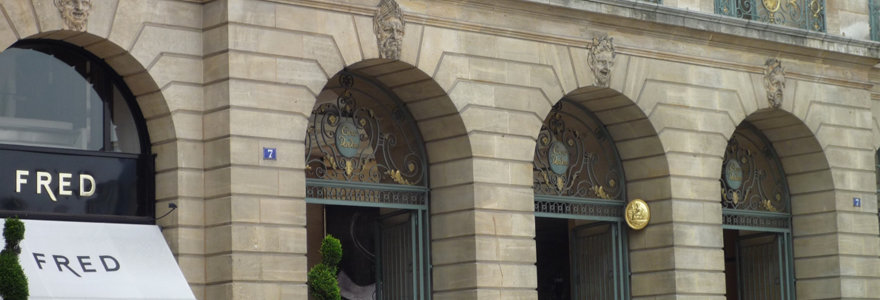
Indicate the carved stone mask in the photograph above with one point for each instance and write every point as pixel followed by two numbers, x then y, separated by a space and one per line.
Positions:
pixel 388 25
pixel 75 13
pixel 390 38
pixel 601 60
pixel 774 82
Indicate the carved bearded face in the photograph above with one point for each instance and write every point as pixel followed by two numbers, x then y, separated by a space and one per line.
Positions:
pixel 601 62
pixel 75 13
pixel 390 33
pixel 775 85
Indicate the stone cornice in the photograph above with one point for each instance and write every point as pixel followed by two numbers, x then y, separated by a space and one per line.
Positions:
pixel 715 28
pixel 749 31
pixel 779 38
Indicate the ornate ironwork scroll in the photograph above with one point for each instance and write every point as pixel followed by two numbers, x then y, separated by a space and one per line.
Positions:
pixel 806 14
pixel 575 157
pixel 751 175
pixel 357 134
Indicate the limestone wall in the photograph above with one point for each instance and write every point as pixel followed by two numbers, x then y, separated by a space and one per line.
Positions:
pixel 217 81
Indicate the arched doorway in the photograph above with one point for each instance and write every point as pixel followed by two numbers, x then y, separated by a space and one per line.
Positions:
pixel 366 177
pixel 756 218
pixel 582 250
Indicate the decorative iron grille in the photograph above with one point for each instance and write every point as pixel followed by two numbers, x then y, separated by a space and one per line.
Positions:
pixel 806 14
pixel 874 8
pixel 779 222
pixel 354 136
pixel 654 1
pixel 574 156
pixel 366 195
pixel 579 208
pixel 751 175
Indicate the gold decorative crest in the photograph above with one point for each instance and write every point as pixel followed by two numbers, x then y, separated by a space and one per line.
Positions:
pixel 772 5
pixel 637 214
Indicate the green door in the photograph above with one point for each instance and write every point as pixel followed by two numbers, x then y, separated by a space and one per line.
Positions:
pixel 595 251
pixel 759 268
pixel 397 265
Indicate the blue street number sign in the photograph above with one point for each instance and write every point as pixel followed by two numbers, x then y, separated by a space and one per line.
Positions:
pixel 270 153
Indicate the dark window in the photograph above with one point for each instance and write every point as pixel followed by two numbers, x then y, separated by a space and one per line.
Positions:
pixel 73 142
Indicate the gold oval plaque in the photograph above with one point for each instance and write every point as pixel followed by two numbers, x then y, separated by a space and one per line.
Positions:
pixel 772 5
pixel 637 214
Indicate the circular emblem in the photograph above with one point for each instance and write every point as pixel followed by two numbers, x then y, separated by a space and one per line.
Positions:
pixel 558 157
pixel 772 5
pixel 347 139
pixel 733 174
pixel 637 214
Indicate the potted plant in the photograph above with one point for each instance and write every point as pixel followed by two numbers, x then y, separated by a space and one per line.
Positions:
pixel 322 278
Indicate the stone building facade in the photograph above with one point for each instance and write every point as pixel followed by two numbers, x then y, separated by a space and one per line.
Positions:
pixel 218 81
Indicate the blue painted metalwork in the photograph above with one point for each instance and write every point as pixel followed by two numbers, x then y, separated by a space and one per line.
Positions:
pixel 578 208
pixel 874 8
pixel 758 201
pixel 805 14
pixel 364 150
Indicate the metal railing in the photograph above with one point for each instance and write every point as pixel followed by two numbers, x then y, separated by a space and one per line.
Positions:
pixel 805 14
pixel 654 1
pixel 874 8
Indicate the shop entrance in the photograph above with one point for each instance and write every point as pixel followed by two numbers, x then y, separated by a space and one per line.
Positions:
pixel 582 250
pixel 380 249
pixel 366 185
pixel 756 219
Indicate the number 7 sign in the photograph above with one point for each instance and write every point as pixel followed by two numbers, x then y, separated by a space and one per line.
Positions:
pixel 270 153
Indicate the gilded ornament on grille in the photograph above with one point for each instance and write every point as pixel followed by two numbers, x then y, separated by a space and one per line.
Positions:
pixel 347 143
pixel 769 206
pixel 330 161
pixel 637 214
pixel 758 184
pixel 348 167
pixel 397 177
pixel 816 7
pixel 600 192
pixel 573 158
pixel 772 5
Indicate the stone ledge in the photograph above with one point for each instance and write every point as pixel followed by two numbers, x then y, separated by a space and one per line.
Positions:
pixel 821 44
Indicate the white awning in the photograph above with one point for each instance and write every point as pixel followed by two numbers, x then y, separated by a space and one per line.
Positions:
pixel 75 260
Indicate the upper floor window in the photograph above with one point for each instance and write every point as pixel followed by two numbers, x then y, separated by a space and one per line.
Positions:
pixel 874 8
pixel 806 14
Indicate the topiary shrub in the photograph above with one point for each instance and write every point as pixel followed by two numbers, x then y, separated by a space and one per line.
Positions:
pixel 322 277
pixel 331 251
pixel 13 282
